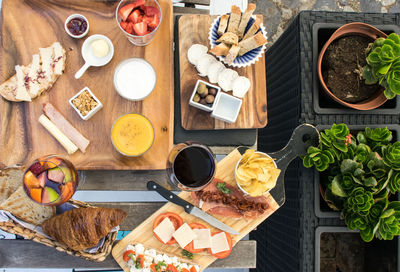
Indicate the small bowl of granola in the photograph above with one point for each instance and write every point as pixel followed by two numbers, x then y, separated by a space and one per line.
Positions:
pixel 85 103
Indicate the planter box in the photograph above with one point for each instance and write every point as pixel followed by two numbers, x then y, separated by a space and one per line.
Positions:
pixel 339 249
pixel 322 103
pixel 321 209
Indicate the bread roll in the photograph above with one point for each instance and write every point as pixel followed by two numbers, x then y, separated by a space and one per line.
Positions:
pixel 10 180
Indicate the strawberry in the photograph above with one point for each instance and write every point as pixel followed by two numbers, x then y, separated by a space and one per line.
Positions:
pixel 154 23
pixel 123 25
pixel 129 28
pixel 150 11
pixel 36 168
pixel 134 16
pixel 140 28
pixel 127 9
pixel 148 19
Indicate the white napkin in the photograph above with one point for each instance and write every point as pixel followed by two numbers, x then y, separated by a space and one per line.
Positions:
pixel 218 7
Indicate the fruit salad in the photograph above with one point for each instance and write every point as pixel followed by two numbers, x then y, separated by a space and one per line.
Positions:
pixel 50 180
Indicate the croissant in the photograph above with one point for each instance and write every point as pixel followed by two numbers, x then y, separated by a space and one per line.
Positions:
pixel 82 228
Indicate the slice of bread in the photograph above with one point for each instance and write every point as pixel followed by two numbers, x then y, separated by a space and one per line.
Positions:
pixel 253 29
pixel 245 19
pixel 21 206
pixel 22 92
pixel 223 24
pixel 229 38
pixel 9 89
pixel 233 52
pixel 234 19
pixel 251 43
pixel 10 179
pixel 221 49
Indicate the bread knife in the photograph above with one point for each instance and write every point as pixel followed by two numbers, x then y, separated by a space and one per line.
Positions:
pixel 189 208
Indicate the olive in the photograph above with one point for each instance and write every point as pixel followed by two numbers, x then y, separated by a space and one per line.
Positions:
pixel 209 99
pixel 196 98
pixel 212 91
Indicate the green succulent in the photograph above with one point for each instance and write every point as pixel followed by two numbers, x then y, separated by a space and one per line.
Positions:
pixel 336 137
pixel 383 65
pixel 359 201
pixel 394 182
pixel 318 158
pixel 375 138
pixel 391 155
pixel 388 225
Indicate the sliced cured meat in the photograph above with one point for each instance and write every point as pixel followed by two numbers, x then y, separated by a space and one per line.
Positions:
pixel 235 204
pixel 58 119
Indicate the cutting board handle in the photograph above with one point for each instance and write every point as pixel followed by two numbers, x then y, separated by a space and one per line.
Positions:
pixel 302 137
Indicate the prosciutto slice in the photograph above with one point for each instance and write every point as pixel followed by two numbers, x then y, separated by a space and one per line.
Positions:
pixel 235 205
pixel 58 119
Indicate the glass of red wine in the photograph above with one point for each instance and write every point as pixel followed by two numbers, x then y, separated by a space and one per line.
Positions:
pixel 191 166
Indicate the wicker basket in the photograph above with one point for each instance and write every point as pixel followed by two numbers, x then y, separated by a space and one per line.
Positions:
pixel 101 254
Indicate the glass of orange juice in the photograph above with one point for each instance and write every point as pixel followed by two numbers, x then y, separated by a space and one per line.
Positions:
pixel 132 134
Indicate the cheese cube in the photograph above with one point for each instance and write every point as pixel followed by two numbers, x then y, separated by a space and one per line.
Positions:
pixel 219 243
pixel 203 239
pixel 165 230
pixel 184 235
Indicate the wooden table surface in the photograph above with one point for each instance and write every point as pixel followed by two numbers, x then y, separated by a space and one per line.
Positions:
pixel 37 255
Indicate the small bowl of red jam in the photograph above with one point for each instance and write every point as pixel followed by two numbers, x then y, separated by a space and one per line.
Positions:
pixel 77 26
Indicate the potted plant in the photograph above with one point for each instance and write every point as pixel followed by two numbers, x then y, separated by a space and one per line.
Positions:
pixel 359 174
pixel 359 66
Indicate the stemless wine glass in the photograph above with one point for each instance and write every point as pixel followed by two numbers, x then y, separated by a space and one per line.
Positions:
pixel 191 166
pixel 50 180
pixel 147 38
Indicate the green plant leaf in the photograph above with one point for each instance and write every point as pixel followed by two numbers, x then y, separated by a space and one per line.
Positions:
pixel 337 188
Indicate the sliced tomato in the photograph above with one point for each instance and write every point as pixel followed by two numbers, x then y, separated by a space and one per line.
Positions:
pixel 226 253
pixel 190 246
pixel 193 269
pixel 140 28
pixel 171 268
pixel 153 268
pixel 140 260
pixel 126 255
pixel 184 270
pixel 134 16
pixel 175 219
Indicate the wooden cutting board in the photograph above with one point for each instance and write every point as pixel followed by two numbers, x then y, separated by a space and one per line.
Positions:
pixel 28 25
pixel 253 114
pixel 144 232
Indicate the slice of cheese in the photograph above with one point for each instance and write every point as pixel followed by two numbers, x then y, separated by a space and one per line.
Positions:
pixel 34 86
pixel 58 58
pixel 165 230
pixel 22 93
pixel 219 243
pixel 46 55
pixel 184 235
pixel 203 239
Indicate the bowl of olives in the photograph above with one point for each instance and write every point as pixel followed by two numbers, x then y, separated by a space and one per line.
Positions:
pixel 204 96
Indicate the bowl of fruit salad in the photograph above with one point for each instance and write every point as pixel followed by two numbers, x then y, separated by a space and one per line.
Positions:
pixel 139 20
pixel 50 180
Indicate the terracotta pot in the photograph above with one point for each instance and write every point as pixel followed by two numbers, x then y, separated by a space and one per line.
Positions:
pixel 360 29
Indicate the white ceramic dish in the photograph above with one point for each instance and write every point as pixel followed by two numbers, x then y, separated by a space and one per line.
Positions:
pixel 134 79
pixel 93 111
pixel 236 167
pixel 227 108
pixel 76 15
pixel 90 58
pixel 201 106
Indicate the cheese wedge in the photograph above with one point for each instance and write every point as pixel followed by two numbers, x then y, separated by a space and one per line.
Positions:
pixel 203 239
pixel 165 230
pixel 46 54
pixel 22 92
pixel 219 243
pixel 184 235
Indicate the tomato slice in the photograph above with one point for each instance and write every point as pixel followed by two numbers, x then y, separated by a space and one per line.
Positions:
pixel 226 253
pixel 126 255
pixel 184 270
pixel 193 269
pixel 153 268
pixel 175 219
pixel 190 246
pixel 171 268
pixel 140 260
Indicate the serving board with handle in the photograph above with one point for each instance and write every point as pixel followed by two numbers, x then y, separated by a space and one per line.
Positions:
pixel 253 113
pixel 23 139
pixel 302 137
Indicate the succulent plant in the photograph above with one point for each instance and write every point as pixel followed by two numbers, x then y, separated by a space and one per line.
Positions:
pixel 358 176
pixel 383 65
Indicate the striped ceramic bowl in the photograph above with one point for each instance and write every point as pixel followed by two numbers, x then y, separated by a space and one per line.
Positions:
pixel 240 61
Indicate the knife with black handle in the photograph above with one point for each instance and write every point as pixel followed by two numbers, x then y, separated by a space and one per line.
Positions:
pixel 189 208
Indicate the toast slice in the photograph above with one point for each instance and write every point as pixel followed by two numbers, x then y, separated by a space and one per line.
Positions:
pixel 221 49
pixel 21 206
pixel 10 180
pixel 233 52
pixel 229 38
pixel 21 92
pixel 253 29
pixel 223 24
pixel 251 43
pixel 234 20
pixel 245 19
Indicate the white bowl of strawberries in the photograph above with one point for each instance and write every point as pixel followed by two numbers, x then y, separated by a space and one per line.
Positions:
pixel 139 20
